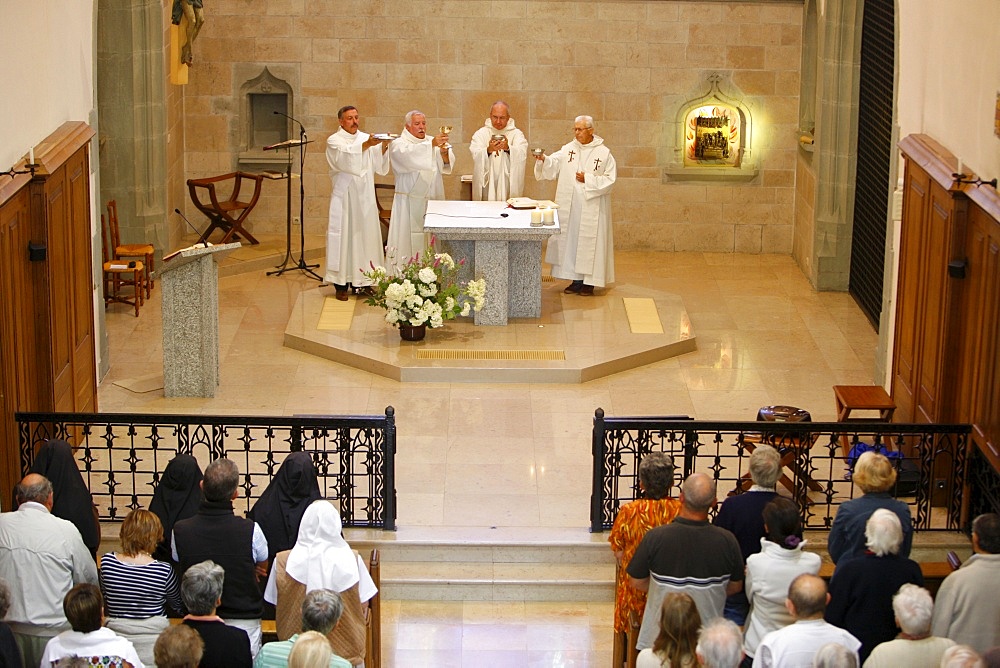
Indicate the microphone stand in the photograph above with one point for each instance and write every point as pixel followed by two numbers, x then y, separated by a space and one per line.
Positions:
pixel 300 264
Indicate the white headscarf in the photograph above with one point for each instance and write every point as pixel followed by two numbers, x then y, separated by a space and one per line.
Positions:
pixel 321 558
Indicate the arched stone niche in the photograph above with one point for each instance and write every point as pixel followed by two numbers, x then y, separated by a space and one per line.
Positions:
pixel 713 137
pixel 264 104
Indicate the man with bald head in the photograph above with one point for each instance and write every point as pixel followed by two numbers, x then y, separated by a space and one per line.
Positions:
pixel 499 151
pixel 796 644
pixel 41 557
pixel 688 556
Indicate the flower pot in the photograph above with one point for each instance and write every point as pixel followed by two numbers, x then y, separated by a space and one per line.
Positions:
pixel 412 332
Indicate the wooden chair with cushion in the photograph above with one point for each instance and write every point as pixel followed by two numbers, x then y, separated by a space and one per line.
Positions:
pixel 229 214
pixel 388 191
pixel 118 274
pixel 125 251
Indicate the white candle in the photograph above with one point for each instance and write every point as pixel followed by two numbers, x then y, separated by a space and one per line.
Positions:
pixel 31 155
pixel 549 216
pixel 960 166
pixel 536 218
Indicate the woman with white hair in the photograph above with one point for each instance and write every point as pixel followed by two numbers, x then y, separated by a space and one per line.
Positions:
pixel 862 588
pixel 915 647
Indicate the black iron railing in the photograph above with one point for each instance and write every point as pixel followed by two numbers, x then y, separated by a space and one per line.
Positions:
pixel 933 466
pixel 121 456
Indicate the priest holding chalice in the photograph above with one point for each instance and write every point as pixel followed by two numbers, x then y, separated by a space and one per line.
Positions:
pixel 499 152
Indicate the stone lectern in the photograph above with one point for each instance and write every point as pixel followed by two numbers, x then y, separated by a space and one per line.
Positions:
pixel 190 306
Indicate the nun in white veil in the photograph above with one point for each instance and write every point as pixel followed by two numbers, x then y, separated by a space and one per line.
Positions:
pixel 322 559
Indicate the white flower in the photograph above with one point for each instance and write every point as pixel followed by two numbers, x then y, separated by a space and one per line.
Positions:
pixel 449 304
pixel 391 316
pixel 428 290
pixel 445 259
pixel 427 275
pixel 466 308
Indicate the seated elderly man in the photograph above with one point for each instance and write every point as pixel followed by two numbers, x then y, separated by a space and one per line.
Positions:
pixel 84 607
pixel 915 647
pixel 201 589
pixel 795 646
pixel 968 604
pixel 321 610
pixel 862 588
pixel 720 644
pixel 41 558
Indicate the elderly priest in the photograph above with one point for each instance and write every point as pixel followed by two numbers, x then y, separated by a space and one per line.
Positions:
pixel 499 151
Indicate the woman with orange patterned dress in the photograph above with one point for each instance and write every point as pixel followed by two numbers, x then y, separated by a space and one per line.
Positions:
pixel 656 507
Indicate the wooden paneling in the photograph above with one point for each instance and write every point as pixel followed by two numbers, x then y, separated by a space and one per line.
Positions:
pixel 47 354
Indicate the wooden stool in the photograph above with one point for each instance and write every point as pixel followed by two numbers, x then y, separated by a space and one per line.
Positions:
pixel 862 398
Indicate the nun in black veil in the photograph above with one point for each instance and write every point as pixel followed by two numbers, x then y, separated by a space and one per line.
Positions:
pixel 176 497
pixel 279 509
pixel 71 498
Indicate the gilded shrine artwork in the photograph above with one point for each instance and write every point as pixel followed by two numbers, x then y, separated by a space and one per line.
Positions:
pixel 713 136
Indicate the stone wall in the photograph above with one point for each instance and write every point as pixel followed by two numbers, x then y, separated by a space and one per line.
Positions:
pixel 629 64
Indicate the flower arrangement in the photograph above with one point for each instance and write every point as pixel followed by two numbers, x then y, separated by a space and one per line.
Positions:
pixel 424 291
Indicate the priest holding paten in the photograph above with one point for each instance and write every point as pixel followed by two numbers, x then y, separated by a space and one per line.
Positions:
pixel 499 152
pixel 353 234
pixel 584 250
pixel 418 161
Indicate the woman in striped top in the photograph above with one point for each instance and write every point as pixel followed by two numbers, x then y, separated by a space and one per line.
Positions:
pixel 137 588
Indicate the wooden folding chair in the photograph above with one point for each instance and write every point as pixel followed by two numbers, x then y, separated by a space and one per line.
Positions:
pixel 230 214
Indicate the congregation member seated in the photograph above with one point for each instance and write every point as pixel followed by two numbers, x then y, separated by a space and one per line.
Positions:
pixel 832 655
pixel 322 559
pixel 795 645
pixel 634 519
pixel 176 497
pixel 84 608
pixel 915 647
pixel 41 557
pixel 225 646
pixel 10 653
pixel 875 475
pixel 967 609
pixel 742 515
pixel 321 611
pixel 720 644
pixel 689 556
pixel 862 588
pixel 311 651
pixel 237 544
pixel 675 646
pixel 280 507
pixel 71 499
pixel 781 559
pixel 179 646
pixel 961 656
pixel 137 588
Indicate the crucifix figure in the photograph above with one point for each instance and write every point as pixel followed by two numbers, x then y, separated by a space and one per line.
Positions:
pixel 597 163
pixel 571 154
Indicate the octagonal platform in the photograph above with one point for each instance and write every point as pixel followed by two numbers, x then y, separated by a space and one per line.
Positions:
pixel 577 339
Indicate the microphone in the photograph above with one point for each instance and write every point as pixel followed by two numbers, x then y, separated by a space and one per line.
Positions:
pixel 191 225
pixel 302 128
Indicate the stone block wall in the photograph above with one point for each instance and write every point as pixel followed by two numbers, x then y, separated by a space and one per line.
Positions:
pixel 629 64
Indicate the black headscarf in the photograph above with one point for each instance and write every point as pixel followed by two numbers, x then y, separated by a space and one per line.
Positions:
pixel 71 500
pixel 176 497
pixel 279 509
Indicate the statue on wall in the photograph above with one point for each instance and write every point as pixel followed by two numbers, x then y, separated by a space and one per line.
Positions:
pixel 194 12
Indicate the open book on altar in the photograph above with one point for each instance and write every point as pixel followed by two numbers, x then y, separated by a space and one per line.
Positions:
pixel 528 203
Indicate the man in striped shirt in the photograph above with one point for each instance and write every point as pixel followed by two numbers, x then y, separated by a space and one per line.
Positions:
pixel 688 556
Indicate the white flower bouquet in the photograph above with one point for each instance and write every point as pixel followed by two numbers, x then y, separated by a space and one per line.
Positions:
pixel 424 291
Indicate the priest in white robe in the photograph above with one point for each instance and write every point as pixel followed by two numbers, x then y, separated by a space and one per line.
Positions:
pixel 418 161
pixel 583 252
pixel 499 152
pixel 353 234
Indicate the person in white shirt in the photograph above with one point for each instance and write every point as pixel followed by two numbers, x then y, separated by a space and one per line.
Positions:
pixel 795 646
pixel 499 151
pixel 84 607
pixel 41 558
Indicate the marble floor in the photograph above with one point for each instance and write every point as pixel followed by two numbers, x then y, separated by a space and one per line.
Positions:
pixel 764 337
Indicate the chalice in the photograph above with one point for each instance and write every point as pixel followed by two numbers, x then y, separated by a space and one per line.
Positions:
pixel 446 130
